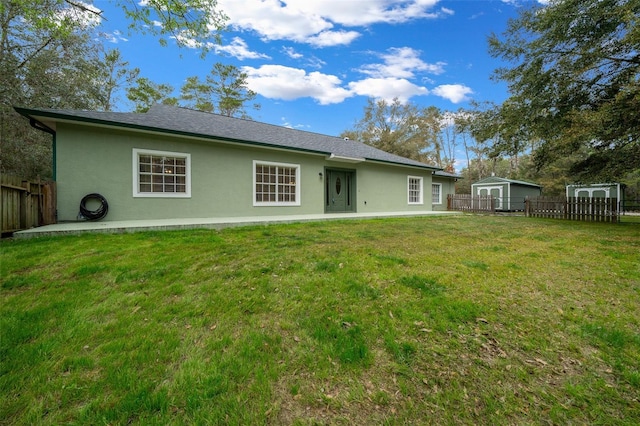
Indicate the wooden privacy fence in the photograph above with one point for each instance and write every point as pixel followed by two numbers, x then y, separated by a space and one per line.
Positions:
pixel 584 209
pixel 25 204
pixel 471 203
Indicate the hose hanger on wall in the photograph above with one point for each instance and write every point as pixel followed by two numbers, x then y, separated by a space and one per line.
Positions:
pixel 97 214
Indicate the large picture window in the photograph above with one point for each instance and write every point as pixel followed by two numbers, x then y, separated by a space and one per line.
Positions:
pixel 161 174
pixel 276 184
pixel 415 190
pixel 436 193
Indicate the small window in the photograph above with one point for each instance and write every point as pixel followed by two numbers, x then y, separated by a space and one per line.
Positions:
pixel 276 184
pixel 161 174
pixel 436 193
pixel 415 190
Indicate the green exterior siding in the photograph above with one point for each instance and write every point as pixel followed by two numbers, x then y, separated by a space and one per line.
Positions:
pixel 99 159
pixel 448 187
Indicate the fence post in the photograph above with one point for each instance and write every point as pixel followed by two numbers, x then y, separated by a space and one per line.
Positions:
pixel 24 208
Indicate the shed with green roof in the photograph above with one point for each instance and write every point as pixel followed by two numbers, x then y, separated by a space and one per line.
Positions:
pixel 509 194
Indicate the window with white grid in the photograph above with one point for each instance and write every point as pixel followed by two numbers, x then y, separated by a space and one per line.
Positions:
pixel 436 193
pixel 415 190
pixel 276 184
pixel 161 174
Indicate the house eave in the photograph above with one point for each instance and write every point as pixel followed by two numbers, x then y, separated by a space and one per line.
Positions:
pixel 42 116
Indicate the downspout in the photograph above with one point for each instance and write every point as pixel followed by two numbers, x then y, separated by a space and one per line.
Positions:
pixel 39 126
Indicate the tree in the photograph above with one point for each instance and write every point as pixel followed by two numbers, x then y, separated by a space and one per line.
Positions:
pixel 42 64
pixel 196 94
pixel 145 93
pixel 462 122
pixel 400 128
pixel 189 22
pixel 116 77
pixel 48 58
pixel 495 126
pixel 224 91
pixel 450 140
pixel 229 87
pixel 575 83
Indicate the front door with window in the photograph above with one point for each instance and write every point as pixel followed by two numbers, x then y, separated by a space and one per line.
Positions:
pixel 339 191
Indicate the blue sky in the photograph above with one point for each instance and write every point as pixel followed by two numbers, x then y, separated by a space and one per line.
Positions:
pixel 314 63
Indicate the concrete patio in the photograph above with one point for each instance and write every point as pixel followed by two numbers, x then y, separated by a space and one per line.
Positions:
pixel 68 228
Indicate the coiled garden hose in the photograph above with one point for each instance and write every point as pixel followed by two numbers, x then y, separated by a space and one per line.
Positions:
pixel 97 214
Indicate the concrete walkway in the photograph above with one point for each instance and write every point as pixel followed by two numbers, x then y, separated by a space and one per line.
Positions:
pixel 210 223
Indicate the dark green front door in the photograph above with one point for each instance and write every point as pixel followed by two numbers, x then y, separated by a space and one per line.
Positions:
pixel 339 191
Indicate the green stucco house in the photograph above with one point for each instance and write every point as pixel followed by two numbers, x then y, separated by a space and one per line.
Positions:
pixel 174 162
pixel 442 184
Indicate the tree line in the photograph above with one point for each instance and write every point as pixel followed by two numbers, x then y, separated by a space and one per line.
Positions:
pixel 572 71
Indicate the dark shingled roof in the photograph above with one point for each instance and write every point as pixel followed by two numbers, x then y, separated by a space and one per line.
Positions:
pixel 183 121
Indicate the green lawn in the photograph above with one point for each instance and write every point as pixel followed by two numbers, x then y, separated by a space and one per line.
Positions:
pixel 439 320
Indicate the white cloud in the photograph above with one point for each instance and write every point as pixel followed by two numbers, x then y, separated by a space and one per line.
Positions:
pixel 273 20
pixel 401 62
pixel 519 2
pixel 315 62
pixel 239 49
pixel 287 123
pixel 311 62
pixel 333 38
pixel 115 37
pixel 314 21
pixel 291 52
pixel 363 13
pixel 456 93
pixel 280 82
pixel 387 88
pixel 286 83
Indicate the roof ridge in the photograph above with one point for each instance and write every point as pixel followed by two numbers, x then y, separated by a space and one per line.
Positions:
pixel 246 120
pixel 185 121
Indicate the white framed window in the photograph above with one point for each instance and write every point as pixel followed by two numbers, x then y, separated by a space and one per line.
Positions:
pixel 276 184
pixel 414 188
pixel 161 174
pixel 436 193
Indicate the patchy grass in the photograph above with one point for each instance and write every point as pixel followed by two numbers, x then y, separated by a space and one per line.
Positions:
pixel 458 320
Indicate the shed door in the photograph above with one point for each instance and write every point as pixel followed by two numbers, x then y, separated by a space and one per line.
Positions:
pixel 495 192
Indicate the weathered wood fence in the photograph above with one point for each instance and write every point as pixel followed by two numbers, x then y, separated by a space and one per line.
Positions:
pixel 25 204
pixel 584 209
pixel 471 203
